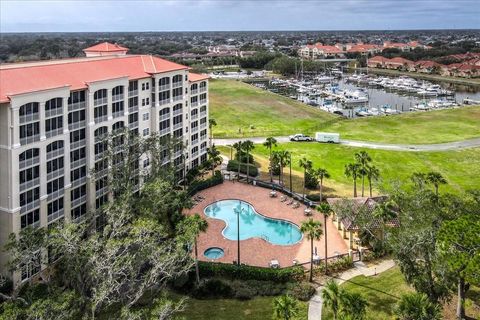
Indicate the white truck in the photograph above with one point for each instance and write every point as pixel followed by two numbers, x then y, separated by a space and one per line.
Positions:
pixel 328 137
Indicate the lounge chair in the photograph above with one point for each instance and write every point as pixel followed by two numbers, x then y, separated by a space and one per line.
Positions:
pixel 295 205
pixel 289 202
pixel 283 198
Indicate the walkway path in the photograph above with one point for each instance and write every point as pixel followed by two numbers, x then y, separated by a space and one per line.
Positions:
pixel 315 304
pixel 456 145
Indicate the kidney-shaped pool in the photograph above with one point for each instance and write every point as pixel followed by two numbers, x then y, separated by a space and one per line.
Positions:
pixel 252 224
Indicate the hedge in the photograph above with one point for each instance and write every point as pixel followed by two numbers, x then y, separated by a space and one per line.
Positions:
pixel 199 185
pixel 243 272
pixel 233 166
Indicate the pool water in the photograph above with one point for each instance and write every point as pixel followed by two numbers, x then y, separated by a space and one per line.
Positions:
pixel 252 224
pixel 214 253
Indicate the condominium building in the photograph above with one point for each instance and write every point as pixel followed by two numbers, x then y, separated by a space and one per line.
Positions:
pixel 54 115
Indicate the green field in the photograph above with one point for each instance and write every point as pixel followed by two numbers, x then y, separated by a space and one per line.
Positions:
pixel 460 168
pixel 384 290
pixel 239 106
pixel 256 112
pixel 416 127
pixel 259 308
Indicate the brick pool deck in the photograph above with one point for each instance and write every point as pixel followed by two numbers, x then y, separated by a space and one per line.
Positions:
pixel 256 251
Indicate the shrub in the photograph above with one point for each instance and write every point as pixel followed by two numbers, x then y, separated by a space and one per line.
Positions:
pixel 199 185
pixel 245 292
pixel 336 266
pixel 231 271
pixel 213 288
pixel 302 291
pixel 243 157
pixel 314 197
pixel 6 285
pixel 233 166
pixel 310 181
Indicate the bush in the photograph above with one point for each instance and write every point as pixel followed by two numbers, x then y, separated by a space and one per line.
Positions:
pixel 6 286
pixel 302 291
pixel 231 271
pixel 336 266
pixel 213 288
pixel 310 181
pixel 313 197
pixel 199 185
pixel 243 157
pixel 233 166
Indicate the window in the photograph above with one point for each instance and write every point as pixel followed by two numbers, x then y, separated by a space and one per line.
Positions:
pixel 79 211
pixel 54 123
pixel 29 174
pixel 29 130
pixel 56 145
pixel 164 96
pixel 77 193
pixel 29 196
pixel 177 108
pixel 146 132
pixel 100 201
pixel 76 96
pixel 133 85
pixel 29 154
pixel 146 116
pixel 164 124
pixel 164 81
pixel 177 78
pixel 164 112
pixel 147 101
pixel 100 111
pixel 145 86
pixel 118 90
pixel 55 206
pixel 76 116
pixel 55 164
pixel 133 102
pixel 203 85
pixel 194 137
pixel 29 109
pixel 203 97
pixel 194 125
pixel 177 93
pixel 55 185
pixel 146 162
pixel 133 117
pixel 99 94
pixel 78 173
pixel 117 107
pixel 193 87
pixel 77 135
pixel 177 119
pixel 117 126
pixel 77 154
pixel 31 218
pixel 178 133
pixel 53 104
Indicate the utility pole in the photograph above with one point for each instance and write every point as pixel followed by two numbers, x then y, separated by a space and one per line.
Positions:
pixel 238 233
pixel 291 190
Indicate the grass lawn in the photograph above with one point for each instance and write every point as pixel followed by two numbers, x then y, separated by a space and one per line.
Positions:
pixel 384 290
pixel 417 127
pixel 259 308
pixel 460 168
pixel 234 105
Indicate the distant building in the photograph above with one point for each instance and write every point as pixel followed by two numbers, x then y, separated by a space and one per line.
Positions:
pixel 54 115
pixel 320 51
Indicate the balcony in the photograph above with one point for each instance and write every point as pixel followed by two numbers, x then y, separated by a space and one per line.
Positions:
pixel 55 153
pixel 133 93
pixel 133 125
pixel 30 139
pixel 29 184
pixel 164 131
pixel 79 201
pixel 53 112
pixel 203 113
pixel 194 142
pixel 30 206
pixel 55 174
pixel 203 89
pixel 203 101
pixel 177 98
pixel 101 192
pixel 54 132
pixel 78 163
pixel 194 116
pixel 101 119
pixel 165 87
pixel 165 116
pixel 193 92
pixel 194 154
pixel 77 144
pixel 30 162
pixel 177 154
pixel 55 215
pixel 79 182
pixel 177 84
pixel 77 125
pixel 203 125
pixel 194 104
pixel 100 101
pixel 55 195
pixel 77 106
pixel 133 109
pixel 177 112
pixel 29 118
pixel 117 114
pixel 163 102
pixel 177 125
pixel 203 137
pixel 117 97
pixel 194 129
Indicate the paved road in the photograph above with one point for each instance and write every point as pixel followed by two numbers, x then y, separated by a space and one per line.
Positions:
pixel 471 143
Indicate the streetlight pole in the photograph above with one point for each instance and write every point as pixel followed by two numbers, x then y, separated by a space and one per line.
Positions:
pixel 238 233
pixel 291 189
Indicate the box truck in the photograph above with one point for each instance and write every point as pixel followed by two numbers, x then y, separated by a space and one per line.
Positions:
pixel 327 137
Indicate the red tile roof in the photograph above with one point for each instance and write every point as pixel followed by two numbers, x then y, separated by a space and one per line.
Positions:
pixel 193 77
pixel 77 73
pixel 105 47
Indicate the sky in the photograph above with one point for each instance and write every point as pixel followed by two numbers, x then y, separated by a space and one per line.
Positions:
pixel 236 15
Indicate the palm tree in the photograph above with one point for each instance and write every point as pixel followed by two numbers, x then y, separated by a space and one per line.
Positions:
pixel 352 170
pixel 385 212
pixel 238 146
pixel 321 174
pixel 194 226
pixel 248 146
pixel 419 179
pixel 372 175
pixel 282 157
pixel 285 307
pixel 363 159
pixel 313 230
pixel 436 179
pixel 326 210
pixel 269 143
pixel 211 123
pixel 214 156
pixel 353 305
pixel 331 295
pixel 306 165
pixel 417 306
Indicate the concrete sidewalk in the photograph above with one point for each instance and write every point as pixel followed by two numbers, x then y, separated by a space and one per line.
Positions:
pixel 315 303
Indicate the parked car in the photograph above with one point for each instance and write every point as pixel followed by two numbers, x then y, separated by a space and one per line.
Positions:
pixel 300 137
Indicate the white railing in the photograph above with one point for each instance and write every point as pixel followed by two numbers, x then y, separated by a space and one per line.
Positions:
pixel 165 87
pixel 77 125
pixel 100 101
pixel 177 98
pixel 76 106
pixel 165 116
pixel 55 174
pixel 30 206
pixel 30 139
pixel 30 162
pixel 29 184
pixel 117 114
pixel 133 93
pixel 117 97
pixel 55 153
pixel 54 112
pixel 101 119
pixel 29 118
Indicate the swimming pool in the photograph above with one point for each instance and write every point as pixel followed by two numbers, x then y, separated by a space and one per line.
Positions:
pixel 252 224
pixel 214 253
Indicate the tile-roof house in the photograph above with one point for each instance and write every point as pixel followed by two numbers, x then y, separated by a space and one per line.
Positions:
pixel 361 208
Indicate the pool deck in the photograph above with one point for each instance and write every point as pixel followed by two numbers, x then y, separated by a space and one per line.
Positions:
pixel 255 251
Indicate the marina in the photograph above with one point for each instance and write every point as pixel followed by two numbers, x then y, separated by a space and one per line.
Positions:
pixel 362 95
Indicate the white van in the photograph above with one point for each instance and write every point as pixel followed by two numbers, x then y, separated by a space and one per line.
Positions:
pixel 327 137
